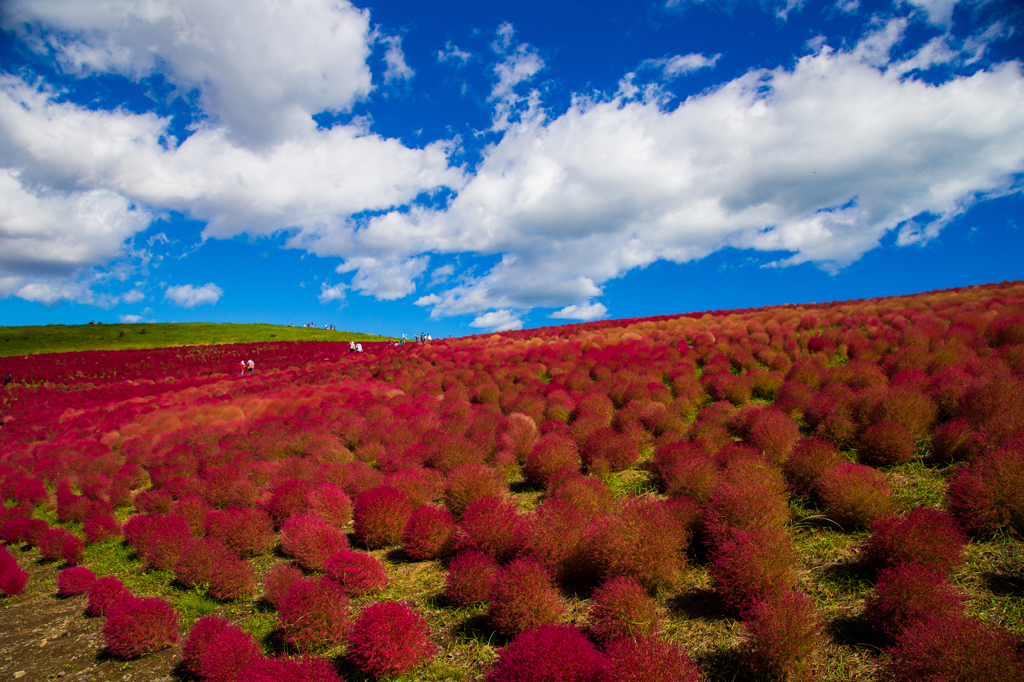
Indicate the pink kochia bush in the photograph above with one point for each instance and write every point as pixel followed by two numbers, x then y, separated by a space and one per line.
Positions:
pixel 885 444
pixel 358 574
pixel 101 527
pixel 785 632
pixel 74 581
pixel 750 566
pixel 389 638
pixel 924 536
pixel 103 593
pixel 648 659
pixel 990 494
pixel 523 596
pixel 468 483
pixel 810 459
pixel 278 581
pixel 311 541
pixel 774 433
pixel 289 670
pixel 246 531
pixel 198 640
pixel 380 517
pixel 622 608
pixel 314 614
pixel 13 577
pixel 135 627
pixel 547 653
pixel 227 654
pixel 470 577
pixel 905 594
pixel 855 495
pixel 429 533
pixel 553 452
pixel 493 526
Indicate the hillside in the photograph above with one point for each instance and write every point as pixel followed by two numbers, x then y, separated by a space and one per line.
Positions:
pixel 60 338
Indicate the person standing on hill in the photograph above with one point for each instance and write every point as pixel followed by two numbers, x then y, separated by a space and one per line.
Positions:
pixel 359 348
pixel 251 366
pixel 241 366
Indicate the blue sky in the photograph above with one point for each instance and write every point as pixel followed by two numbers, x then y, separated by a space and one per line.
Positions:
pixel 463 167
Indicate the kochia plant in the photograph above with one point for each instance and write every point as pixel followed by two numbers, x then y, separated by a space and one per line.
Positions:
pixel 622 608
pixel 469 579
pixel 548 652
pixel 429 533
pixel 358 574
pixel 648 659
pixel 389 638
pixel 314 614
pixel 923 536
pixel 311 540
pixel 522 597
pixel 380 517
pixel 135 627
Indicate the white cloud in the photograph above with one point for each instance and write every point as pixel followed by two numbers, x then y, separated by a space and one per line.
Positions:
pixel 335 292
pixel 584 311
pixel 452 53
pixel 395 59
pixel 939 12
pixel 133 296
pixel 188 296
pixel 520 64
pixel 818 161
pixel 497 321
pixel 130 319
pixel 385 279
pixel 262 67
pixel 684 64
pixel 441 274
pixel 429 299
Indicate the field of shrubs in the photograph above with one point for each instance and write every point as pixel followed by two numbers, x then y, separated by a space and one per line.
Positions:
pixel 829 491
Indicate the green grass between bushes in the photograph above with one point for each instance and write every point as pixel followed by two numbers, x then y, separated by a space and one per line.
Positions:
pixel 60 338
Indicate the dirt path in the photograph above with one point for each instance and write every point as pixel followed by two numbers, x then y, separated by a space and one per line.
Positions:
pixel 43 637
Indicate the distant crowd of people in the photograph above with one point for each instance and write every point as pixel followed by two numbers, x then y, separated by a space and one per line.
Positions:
pixel 354 347
pixel 312 325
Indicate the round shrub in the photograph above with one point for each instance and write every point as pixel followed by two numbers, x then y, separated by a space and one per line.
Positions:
pixel 923 536
pixel 246 531
pixel 160 540
pixel 491 525
pixel 311 540
pixel 380 517
pixel 694 476
pixel 429 533
pixel 135 627
pixel 13 580
pixel 287 499
pixel 553 452
pixel 103 593
pixel 990 493
pixel 886 444
pixel 469 578
pixel 905 594
pixel 72 582
pixel 811 457
pixel 518 434
pixel 648 659
pixel 907 406
pixel 228 652
pixel 556 539
pixel 749 495
pixel 589 494
pixel 279 580
pixel 854 495
pixel 953 646
pixel 389 638
pixel 198 640
pixel 749 566
pixel 605 451
pixel 420 485
pixel 314 614
pixel 622 608
pixel 785 632
pixel 289 670
pixel 101 527
pixel 232 578
pixel 331 504
pixel 774 433
pixel 641 539
pixel 51 543
pixel 196 561
pixel 358 574
pixel 954 441
pixel 72 550
pixel 546 653
pixel 470 482
pixel 523 596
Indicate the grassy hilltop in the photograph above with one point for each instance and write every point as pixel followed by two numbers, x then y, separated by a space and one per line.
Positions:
pixel 61 338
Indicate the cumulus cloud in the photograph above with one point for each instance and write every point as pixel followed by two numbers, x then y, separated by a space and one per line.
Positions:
pixel 395 59
pixel 584 311
pixel 816 162
pixel 262 68
pixel 684 64
pixel 452 53
pixel 133 296
pixel 130 319
pixel 331 292
pixel 189 296
pixel 938 12
pixel 519 64
pixel 497 321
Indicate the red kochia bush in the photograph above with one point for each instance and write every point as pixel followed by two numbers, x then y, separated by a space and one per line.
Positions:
pixel 922 536
pixel 750 494
pixel 605 451
pixel 311 540
pixel 748 566
pixel 785 632
pixel 589 494
pixel 854 495
pixel 314 614
pixel 279 580
pixel 13 578
pixel 555 538
pixel 517 435
pixel 953 646
pixel 622 608
pixel 358 573
pixel 289 670
pixel 886 444
pixel 648 659
pixel 429 533
pixel 72 582
pixel 198 640
pixel 811 457
pixel 331 504
pixel 468 483
pixel 469 579
pixel 389 638
pixel 547 653
pixel 228 652
pixel 287 499
pixel 491 525
pixel 522 597
pixel 72 550
pixel 101 527
pixel 380 517
pixel 51 543
pixel 774 433
pixel 246 531
pixel 990 494
pixel 553 452
pixel 905 594
pixel 103 593
pixel 135 627
pixel 642 539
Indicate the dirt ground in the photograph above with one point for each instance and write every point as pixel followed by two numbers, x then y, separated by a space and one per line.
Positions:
pixel 43 637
